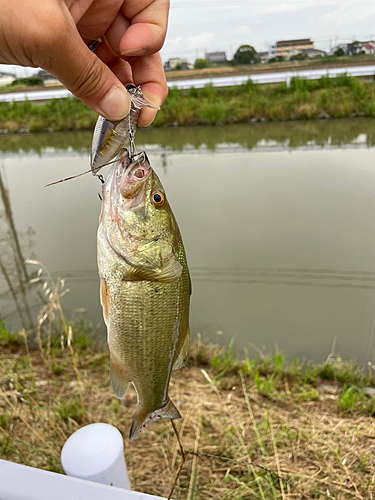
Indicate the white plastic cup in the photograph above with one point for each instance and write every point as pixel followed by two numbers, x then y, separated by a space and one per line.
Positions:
pixel 96 453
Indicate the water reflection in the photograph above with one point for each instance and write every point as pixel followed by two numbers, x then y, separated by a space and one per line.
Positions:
pixel 266 136
pixel 277 220
pixel 17 291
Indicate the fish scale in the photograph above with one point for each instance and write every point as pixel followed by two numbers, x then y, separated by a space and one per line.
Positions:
pixel 145 289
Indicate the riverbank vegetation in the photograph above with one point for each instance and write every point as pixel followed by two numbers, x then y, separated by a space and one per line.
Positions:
pixel 342 97
pixel 258 427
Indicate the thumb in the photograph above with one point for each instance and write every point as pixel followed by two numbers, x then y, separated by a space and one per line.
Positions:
pixel 88 78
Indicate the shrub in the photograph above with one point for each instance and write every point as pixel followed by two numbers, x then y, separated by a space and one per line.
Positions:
pixel 31 80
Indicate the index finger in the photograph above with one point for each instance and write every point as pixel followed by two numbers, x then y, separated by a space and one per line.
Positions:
pixel 149 74
pixel 148 27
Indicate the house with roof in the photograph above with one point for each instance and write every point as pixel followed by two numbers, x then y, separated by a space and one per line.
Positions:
pixel 176 63
pixel 261 57
pixel 216 57
pixel 310 53
pixel 368 47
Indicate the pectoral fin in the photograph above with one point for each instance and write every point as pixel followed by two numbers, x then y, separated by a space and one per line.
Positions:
pixel 170 272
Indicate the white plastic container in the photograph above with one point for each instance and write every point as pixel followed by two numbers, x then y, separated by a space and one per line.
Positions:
pixel 96 453
pixel 18 482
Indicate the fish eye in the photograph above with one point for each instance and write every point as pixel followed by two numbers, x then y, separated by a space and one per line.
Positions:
pixel 158 198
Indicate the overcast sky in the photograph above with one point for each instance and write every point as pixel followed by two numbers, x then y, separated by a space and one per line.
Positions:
pixel 199 25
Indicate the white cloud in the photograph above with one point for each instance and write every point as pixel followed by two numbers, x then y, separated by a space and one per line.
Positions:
pixel 173 43
pixel 199 41
pixel 241 30
pixel 349 13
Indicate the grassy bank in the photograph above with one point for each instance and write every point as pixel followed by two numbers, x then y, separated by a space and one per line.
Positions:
pixel 305 99
pixel 263 428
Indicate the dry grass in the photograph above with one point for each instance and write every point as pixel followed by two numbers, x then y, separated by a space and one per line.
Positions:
pixel 289 445
pixel 250 429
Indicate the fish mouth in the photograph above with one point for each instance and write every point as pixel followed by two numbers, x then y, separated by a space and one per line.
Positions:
pixel 134 175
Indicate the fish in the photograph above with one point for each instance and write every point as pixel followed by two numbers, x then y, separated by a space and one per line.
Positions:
pixel 110 137
pixel 145 287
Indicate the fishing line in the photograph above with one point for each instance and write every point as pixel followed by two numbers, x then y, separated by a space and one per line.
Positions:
pixel 183 458
pixel 93 170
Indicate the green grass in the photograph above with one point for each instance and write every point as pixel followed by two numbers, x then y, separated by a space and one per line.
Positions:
pixel 304 100
pixel 271 373
pixel 262 427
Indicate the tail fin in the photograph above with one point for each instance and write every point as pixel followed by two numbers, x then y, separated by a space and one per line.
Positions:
pixel 140 419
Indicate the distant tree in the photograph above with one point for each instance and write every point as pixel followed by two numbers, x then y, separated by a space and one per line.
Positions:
pixel 178 67
pixel 31 80
pixel 276 59
pixel 299 57
pixel 244 55
pixel 339 52
pixel 200 63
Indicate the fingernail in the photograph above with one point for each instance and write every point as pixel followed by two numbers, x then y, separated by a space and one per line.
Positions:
pixel 116 104
pixel 134 52
pixel 152 99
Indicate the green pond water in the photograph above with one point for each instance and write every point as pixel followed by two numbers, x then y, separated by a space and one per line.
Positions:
pixel 278 221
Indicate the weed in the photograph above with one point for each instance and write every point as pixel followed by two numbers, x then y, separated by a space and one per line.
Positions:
pixel 251 440
pixel 363 462
pixel 71 410
pixel 305 99
pixel 349 398
pixel 225 362
pixel 265 385
pixel 7 337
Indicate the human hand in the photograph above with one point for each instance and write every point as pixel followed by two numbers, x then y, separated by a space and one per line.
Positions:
pixel 54 34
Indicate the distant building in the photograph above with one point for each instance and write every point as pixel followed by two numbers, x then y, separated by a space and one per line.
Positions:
pixel 285 46
pixel 272 52
pixel 368 47
pixel 310 53
pixel 261 57
pixel 6 79
pixel 343 46
pixel 47 78
pixel 176 63
pixel 293 52
pixel 44 75
pixel 216 57
pixel 354 48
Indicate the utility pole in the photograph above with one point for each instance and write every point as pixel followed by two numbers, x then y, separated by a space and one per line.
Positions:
pixel 9 216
